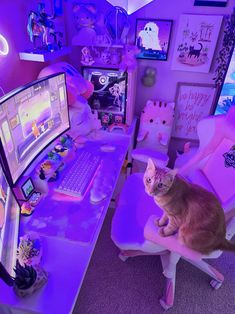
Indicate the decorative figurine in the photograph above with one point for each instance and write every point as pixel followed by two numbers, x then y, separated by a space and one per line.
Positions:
pixel 28 279
pixel 40 24
pixel 34 28
pixel 67 141
pixel 86 56
pixel 149 77
pixel 26 209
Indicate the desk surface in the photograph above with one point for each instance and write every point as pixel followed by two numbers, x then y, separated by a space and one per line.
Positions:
pixel 66 260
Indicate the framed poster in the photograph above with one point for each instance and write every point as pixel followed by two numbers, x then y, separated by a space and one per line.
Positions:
pixel 195 42
pixel 211 3
pixel 153 37
pixel 193 102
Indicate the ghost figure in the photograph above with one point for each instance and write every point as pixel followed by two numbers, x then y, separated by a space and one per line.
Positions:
pixel 149 36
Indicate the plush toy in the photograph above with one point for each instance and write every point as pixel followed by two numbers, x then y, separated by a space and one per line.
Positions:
pixel 149 77
pixel 84 18
pixel 129 62
pixel 78 90
pixel 155 125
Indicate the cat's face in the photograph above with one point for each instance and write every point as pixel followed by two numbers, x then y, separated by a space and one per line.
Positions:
pixel 158 181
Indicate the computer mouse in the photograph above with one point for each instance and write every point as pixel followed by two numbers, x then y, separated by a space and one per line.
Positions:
pixel 97 196
pixel 107 148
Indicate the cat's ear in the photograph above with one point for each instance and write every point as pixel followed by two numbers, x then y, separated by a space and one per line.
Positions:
pixel 151 165
pixel 173 173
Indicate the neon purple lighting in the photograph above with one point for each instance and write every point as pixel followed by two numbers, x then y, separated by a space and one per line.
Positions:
pixel 130 5
pixel 4 47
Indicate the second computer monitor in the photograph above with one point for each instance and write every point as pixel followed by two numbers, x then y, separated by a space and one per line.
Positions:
pixel 31 117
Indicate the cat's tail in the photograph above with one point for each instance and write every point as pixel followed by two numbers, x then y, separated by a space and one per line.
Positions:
pixel 227 246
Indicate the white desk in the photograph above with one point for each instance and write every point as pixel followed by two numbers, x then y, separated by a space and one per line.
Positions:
pixel 66 261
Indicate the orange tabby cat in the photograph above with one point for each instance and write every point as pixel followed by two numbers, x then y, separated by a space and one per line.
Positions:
pixel 189 209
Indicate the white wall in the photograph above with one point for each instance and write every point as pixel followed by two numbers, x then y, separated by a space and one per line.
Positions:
pixel 165 87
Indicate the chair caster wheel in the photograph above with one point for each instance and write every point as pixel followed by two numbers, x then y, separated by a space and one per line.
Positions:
pixel 215 284
pixel 122 257
pixel 164 305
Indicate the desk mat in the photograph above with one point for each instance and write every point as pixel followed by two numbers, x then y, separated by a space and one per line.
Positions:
pixel 64 217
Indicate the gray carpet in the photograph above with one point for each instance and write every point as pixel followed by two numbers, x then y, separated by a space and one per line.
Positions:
pixel 111 286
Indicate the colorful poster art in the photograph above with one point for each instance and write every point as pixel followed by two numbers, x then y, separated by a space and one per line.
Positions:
pixel 195 42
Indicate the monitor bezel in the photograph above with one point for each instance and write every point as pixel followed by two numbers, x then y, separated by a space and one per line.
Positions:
pixel 13 93
pixel 18 229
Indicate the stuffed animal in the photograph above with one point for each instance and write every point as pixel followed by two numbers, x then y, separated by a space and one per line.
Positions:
pixel 84 19
pixel 149 77
pixel 155 125
pixel 78 90
pixel 129 62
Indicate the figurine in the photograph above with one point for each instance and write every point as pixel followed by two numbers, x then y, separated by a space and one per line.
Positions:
pixel 117 90
pixel 26 209
pixel 149 77
pixel 86 57
pixel 34 28
pixel 105 120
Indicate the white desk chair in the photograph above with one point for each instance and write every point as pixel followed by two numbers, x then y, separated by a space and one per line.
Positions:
pixel 154 134
pixel 133 229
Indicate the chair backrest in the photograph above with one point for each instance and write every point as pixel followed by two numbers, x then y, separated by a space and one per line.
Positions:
pixel 215 157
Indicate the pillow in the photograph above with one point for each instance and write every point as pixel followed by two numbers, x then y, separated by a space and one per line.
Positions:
pixel 219 173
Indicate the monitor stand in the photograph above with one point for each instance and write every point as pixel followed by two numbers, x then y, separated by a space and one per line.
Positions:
pixel 5 276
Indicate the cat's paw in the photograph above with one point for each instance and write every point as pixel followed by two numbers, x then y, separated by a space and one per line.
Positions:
pixel 156 222
pixel 161 232
pixel 159 223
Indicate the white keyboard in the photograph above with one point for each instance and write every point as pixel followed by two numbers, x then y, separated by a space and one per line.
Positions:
pixel 80 175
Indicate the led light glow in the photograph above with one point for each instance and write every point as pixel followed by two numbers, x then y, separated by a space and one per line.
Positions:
pixel 4 48
pixel 130 5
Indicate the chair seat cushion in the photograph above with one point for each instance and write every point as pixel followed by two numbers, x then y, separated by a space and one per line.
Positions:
pixel 133 210
pixel 171 243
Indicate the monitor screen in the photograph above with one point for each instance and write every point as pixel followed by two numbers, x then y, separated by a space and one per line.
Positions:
pixel 31 117
pixel 109 96
pixel 9 225
pixel 153 38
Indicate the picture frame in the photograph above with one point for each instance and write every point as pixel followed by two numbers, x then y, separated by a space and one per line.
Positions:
pixel 211 3
pixel 152 37
pixel 193 102
pixel 195 42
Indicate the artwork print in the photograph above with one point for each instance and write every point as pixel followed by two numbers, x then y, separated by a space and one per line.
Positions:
pixel 195 42
pixel 152 38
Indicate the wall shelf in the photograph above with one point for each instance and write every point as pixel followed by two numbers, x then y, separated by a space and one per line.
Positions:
pixel 43 56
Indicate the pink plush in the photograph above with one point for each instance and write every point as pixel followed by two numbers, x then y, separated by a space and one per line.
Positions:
pixel 76 84
pixel 129 62
pixel 156 123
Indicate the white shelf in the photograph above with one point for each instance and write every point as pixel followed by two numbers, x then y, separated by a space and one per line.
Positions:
pixel 43 56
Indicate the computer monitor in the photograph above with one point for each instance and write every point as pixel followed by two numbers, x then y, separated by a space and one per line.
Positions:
pixel 9 228
pixel 31 117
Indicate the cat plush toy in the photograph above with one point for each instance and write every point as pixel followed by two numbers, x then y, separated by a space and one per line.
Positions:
pixel 155 125
pixel 191 210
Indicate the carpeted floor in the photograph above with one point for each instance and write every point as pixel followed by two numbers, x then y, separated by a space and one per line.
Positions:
pixel 134 287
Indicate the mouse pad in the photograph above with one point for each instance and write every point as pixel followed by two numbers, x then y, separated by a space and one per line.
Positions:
pixel 65 217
